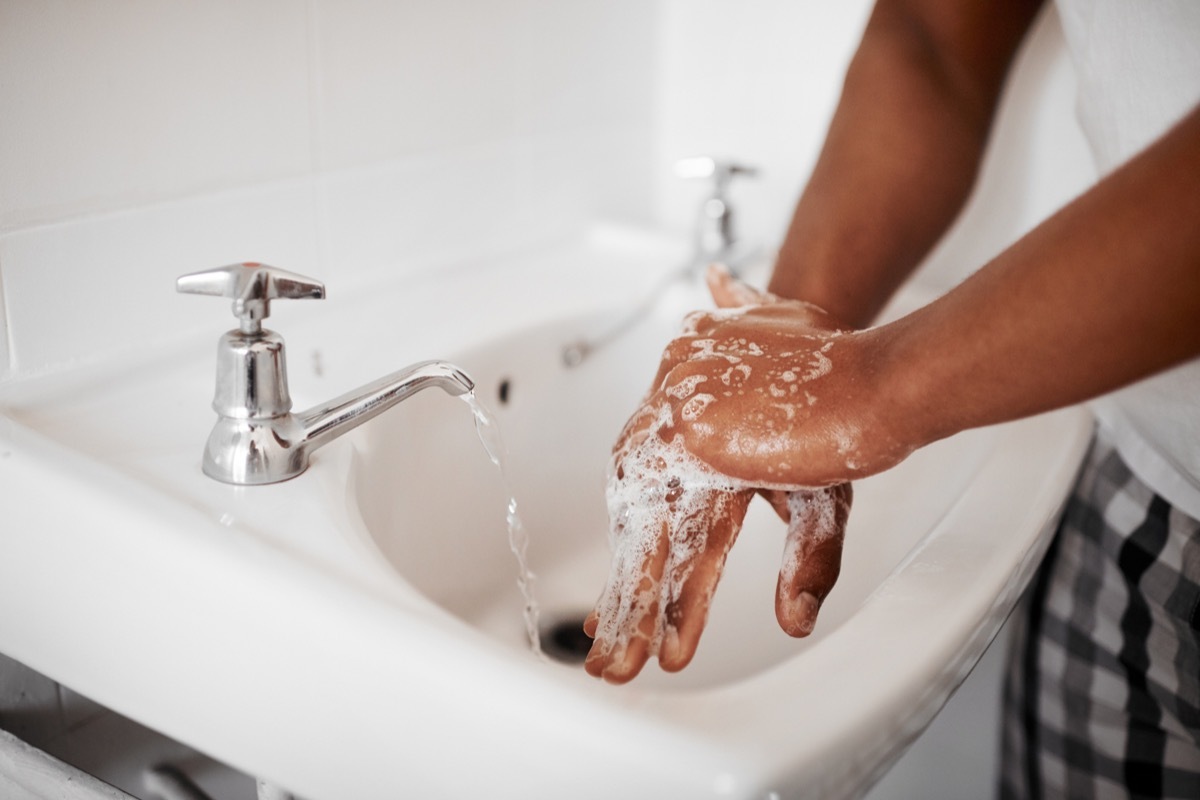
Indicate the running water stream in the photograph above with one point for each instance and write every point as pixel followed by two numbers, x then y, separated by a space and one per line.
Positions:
pixel 518 537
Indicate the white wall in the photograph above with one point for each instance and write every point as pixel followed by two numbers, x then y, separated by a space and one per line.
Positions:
pixel 755 81
pixel 141 140
pixel 343 138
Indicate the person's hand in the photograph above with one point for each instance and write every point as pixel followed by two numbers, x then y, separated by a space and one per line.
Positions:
pixel 744 401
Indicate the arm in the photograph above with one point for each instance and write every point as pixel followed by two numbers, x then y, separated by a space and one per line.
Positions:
pixel 902 150
pixel 1105 292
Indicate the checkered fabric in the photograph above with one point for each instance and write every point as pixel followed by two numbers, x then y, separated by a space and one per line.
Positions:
pixel 1102 698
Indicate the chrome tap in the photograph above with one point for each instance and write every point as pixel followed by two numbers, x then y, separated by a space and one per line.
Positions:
pixel 257 439
pixel 715 237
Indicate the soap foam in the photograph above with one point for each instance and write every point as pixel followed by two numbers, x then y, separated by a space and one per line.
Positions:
pixel 663 491
pixel 695 406
pixel 685 387
pixel 814 519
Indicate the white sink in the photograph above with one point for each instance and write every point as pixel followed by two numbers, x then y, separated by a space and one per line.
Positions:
pixel 560 424
pixel 357 632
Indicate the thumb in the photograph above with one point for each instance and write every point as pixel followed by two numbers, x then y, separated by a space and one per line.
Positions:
pixel 812 556
pixel 729 292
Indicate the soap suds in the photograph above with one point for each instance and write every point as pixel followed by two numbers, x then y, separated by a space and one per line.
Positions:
pixel 656 490
pixel 814 519
pixel 695 406
pixel 685 387
pixel 819 364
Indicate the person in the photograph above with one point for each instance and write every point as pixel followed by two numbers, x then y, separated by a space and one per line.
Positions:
pixel 791 395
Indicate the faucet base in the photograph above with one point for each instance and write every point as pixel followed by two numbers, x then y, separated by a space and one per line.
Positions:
pixel 252 452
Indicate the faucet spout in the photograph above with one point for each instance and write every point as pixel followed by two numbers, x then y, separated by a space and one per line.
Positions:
pixel 251 446
pixel 326 422
pixel 257 439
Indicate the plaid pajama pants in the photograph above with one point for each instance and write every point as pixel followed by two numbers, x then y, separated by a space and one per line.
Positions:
pixel 1102 697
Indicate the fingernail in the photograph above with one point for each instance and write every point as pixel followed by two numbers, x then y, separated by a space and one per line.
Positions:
pixel 597 659
pixel 802 616
pixel 668 649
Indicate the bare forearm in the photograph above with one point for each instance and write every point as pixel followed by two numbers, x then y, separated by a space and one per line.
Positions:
pixel 901 155
pixel 1104 293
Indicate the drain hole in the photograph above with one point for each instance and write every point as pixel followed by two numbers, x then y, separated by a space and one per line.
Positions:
pixel 563 639
pixel 502 391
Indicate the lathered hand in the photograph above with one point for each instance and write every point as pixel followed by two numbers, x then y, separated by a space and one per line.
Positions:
pixel 758 396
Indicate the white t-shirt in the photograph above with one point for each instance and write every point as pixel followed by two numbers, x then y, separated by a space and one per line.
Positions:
pixel 1138 68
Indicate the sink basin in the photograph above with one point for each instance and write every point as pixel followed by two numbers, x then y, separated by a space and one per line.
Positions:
pixel 357 631
pixel 559 424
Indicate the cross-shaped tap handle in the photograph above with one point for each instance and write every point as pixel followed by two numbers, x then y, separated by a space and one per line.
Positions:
pixel 251 286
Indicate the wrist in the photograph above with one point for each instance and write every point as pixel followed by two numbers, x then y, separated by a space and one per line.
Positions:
pixel 904 396
pixel 818 282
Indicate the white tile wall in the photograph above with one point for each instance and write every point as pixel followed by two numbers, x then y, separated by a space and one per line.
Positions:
pixel 386 214
pixel 405 77
pixel 590 65
pixel 756 81
pixel 143 140
pixel 113 104
pixel 412 77
pixel 610 172
pixel 5 357
pixel 105 283
pixel 342 137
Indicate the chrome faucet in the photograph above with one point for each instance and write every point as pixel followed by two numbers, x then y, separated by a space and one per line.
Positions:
pixel 715 239
pixel 257 439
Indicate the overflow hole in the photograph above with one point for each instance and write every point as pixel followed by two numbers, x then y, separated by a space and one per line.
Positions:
pixel 502 391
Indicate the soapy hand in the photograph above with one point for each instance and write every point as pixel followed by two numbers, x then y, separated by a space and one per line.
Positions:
pixel 758 396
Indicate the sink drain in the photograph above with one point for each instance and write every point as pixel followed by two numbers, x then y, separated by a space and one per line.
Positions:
pixel 563 639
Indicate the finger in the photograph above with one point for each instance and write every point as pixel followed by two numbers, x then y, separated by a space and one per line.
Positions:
pixel 627 629
pixel 812 555
pixel 637 622
pixel 601 623
pixel 702 544
pixel 729 292
pixel 637 428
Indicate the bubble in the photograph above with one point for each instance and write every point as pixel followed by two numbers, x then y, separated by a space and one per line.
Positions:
pixel 686 386
pixel 695 406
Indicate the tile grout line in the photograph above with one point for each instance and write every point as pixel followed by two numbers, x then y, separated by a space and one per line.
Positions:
pixel 316 138
pixel 10 368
